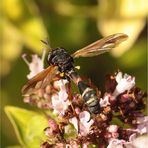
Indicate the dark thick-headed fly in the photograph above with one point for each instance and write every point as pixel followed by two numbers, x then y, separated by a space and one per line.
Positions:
pixel 60 60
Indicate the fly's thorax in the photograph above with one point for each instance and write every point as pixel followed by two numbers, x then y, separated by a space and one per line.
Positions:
pixel 61 58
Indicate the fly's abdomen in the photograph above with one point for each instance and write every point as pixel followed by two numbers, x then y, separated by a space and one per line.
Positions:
pixel 90 97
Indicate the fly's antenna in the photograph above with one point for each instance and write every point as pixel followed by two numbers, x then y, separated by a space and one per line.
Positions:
pixel 46 42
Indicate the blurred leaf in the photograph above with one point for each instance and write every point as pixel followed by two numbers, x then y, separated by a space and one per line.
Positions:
pixel 27 21
pixel 16 146
pixel 22 26
pixel 125 16
pixel 33 31
pixel 136 57
pixel 10 41
pixel 69 8
pixel 28 126
pixel 14 5
pixel 11 45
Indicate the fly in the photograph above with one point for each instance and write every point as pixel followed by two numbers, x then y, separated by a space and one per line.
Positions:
pixel 60 60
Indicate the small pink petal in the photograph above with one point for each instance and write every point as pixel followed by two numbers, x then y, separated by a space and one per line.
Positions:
pixel 74 121
pixel 85 123
pixel 52 124
pixel 141 142
pixel 125 82
pixel 105 101
pixel 84 116
pixel 113 128
pixel 77 110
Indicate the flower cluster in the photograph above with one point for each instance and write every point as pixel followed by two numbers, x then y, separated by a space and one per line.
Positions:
pixel 119 123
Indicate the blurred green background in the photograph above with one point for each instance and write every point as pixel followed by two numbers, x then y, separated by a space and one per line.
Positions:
pixel 71 24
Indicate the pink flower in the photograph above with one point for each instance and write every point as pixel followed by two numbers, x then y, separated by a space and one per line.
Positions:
pixel 84 123
pixel 105 101
pixel 52 129
pixel 112 131
pixel 86 145
pixel 77 110
pixel 53 124
pixel 74 145
pixel 132 137
pixel 48 131
pixel 133 142
pixel 142 126
pixel 124 98
pixel 142 119
pixel 36 65
pixel 125 82
pixel 120 143
pixel 141 142
pixel 112 128
pixel 60 100
pixel 74 121
pixel 60 84
pixel 116 143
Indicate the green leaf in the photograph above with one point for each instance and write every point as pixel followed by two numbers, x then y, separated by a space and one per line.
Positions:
pixel 28 126
pixel 92 146
pixel 70 132
pixel 118 122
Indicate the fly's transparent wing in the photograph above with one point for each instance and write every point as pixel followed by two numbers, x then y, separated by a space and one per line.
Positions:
pixel 41 80
pixel 101 46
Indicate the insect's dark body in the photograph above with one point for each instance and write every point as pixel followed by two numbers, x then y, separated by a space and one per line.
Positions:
pixel 62 59
pixel 59 57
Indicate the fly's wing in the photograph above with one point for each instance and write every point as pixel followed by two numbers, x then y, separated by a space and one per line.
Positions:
pixel 41 80
pixel 101 46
